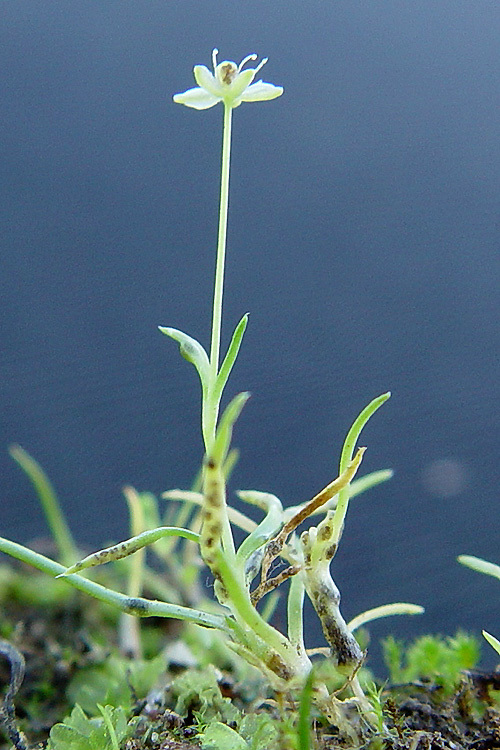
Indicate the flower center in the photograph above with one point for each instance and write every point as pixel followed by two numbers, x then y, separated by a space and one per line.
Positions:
pixel 227 72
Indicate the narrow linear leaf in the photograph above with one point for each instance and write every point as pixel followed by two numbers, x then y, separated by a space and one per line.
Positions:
pixel 230 462
pixel 346 457
pixel 494 642
pixel 128 547
pixel 359 423
pixel 107 715
pixel 192 351
pixel 304 724
pixel 386 610
pixel 479 565
pixel 267 528
pixel 235 516
pixel 54 516
pixel 358 486
pixel 230 358
pixel 225 428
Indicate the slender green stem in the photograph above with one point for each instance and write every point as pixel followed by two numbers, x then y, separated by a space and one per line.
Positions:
pixel 221 243
pixel 295 610
pixel 137 527
pixel 212 406
pixel 130 627
pixel 304 724
pixel 133 605
pixel 240 604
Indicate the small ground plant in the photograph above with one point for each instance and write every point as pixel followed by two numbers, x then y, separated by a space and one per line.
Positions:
pixel 200 530
pixel 489 569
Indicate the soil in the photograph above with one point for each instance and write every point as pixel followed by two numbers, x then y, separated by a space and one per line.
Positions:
pixel 56 642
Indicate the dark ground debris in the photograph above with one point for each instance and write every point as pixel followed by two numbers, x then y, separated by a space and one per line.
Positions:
pixel 55 644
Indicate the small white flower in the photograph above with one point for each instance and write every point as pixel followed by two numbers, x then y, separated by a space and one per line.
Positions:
pixel 229 84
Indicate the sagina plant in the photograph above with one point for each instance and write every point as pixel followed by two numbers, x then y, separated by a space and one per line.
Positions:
pixel 281 657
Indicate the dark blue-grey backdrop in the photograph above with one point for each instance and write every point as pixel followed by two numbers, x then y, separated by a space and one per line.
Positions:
pixel 363 240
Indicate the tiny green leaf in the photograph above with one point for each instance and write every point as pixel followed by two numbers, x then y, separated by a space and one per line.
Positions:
pixel 225 428
pixel 359 423
pixel 230 358
pixel 304 725
pixel 78 732
pixel 192 351
pixel 128 547
pixel 219 736
pixel 107 715
pixel 346 457
pixel 494 642
pixel 259 731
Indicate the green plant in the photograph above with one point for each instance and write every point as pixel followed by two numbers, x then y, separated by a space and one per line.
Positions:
pixel 79 732
pixel 304 728
pixel 435 658
pixel 283 659
pixel 61 533
pixel 374 695
pixel 490 569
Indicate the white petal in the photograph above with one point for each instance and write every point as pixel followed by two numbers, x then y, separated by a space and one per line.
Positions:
pixel 261 92
pixel 240 83
pixel 196 98
pixel 207 80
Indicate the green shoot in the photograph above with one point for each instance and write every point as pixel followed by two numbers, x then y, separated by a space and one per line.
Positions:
pixel 60 530
pixel 304 725
pixel 106 712
pixel 490 569
pixel 494 642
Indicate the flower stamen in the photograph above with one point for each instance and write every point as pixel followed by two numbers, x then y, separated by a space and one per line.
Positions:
pixel 259 66
pixel 246 59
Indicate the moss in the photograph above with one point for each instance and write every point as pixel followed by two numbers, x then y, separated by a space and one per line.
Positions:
pixel 434 696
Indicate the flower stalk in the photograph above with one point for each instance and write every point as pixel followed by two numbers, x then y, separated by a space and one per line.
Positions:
pixel 211 410
pixel 230 84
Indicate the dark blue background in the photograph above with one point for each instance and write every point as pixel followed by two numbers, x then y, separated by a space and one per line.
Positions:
pixel 363 240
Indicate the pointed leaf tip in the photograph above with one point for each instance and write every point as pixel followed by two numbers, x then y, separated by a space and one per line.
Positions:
pixel 191 350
